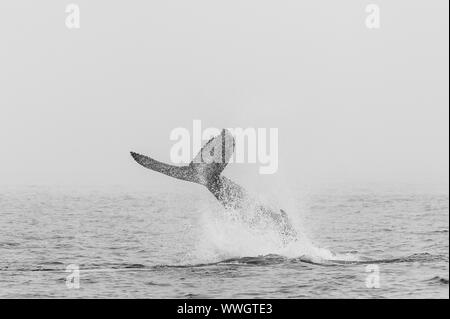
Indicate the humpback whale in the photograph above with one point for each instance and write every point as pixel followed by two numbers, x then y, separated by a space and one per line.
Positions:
pixel 206 169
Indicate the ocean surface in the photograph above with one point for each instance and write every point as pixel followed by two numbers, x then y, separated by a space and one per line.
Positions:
pixel 354 242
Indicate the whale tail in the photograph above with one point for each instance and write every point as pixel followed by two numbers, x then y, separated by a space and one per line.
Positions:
pixel 207 165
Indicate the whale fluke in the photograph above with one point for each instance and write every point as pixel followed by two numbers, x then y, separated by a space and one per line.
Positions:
pixel 204 168
pixel 185 173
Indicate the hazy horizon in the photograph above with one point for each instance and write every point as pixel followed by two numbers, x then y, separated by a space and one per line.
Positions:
pixel 352 105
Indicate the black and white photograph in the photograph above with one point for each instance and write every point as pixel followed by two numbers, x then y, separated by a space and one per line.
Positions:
pixel 239 150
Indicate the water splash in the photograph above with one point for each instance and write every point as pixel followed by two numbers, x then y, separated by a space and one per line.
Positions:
pixel 228 234
pixel 252 232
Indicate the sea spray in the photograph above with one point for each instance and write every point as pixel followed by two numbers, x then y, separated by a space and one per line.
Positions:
pixel 225 234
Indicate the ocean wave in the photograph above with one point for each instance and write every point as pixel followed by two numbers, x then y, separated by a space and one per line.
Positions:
pixel 438 280
pixel 261 260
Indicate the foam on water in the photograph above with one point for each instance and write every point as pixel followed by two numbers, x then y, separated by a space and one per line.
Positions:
pixel 225 236
pixel 228 234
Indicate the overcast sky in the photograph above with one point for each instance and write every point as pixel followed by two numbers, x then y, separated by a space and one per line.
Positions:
pixel 350 103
